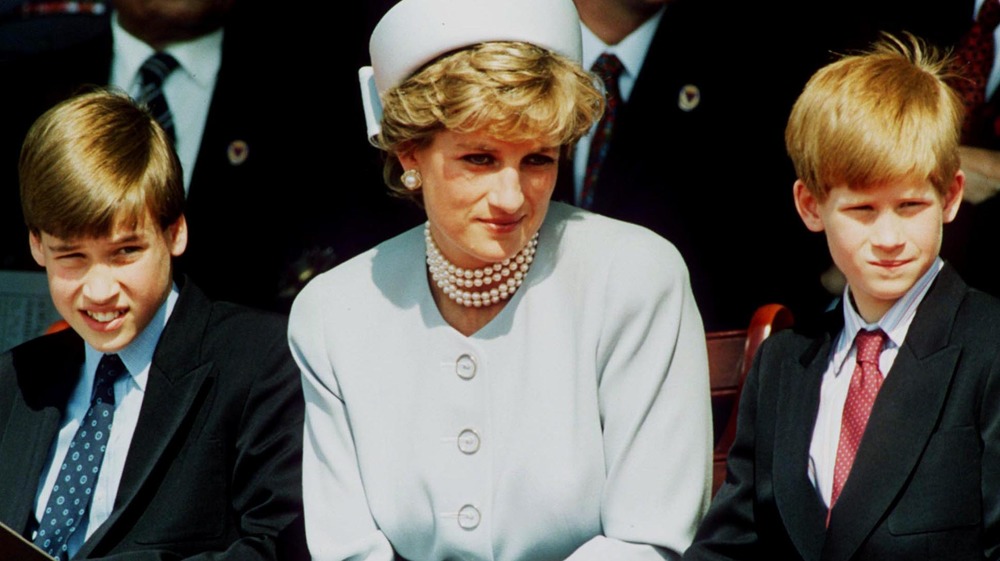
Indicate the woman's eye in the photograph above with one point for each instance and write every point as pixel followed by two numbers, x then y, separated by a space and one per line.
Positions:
pixel 539 160
pixel 478 159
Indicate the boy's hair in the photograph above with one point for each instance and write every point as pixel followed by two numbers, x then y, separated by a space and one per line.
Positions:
pixel 510 90
pixel 96 161
pixel 881 116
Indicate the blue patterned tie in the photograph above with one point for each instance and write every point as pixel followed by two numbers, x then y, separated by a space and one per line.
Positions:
pixel 153 73
pixel 71 494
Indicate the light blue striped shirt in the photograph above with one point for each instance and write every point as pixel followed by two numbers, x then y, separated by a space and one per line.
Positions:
pixel 837 378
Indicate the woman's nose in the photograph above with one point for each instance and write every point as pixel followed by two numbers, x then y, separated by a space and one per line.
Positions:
pixel 507 194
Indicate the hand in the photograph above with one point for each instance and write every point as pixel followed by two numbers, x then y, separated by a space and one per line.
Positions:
pixel 982 173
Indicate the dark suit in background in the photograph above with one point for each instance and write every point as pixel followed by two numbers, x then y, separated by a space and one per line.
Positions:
pixel 714 179
pixel 255 225
pixel 215 461
pixel 925 483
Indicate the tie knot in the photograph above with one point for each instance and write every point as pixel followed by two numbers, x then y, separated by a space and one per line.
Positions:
pixel 109 369
pixel 989 15
pixel 609 68
pixel 157 67
pixel 869 345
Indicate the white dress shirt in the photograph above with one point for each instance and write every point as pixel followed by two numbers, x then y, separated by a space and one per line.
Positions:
pixel 837 378
pixel 631 51
pixel 129 391
pixel 188 89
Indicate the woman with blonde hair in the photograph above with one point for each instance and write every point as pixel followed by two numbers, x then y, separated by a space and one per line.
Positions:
pixel 515 380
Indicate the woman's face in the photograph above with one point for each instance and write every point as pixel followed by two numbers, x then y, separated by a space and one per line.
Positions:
pixel 485 198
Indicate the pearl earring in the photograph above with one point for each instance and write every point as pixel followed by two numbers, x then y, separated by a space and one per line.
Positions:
pixel 411 179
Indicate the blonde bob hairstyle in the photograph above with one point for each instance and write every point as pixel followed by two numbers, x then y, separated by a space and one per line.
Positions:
pixel 94 162
pixel 512 91
pixel 882 116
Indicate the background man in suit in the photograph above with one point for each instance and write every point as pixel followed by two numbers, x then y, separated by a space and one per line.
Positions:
pixel 829 462
pixel 243 90
pixel 161 426
pixel 695 151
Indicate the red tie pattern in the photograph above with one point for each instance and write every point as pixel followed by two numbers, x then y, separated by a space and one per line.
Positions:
pixel 609 68
pixel 865 384
pixel 974 56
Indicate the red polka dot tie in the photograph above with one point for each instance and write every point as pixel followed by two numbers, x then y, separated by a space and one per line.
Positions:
pixel 865 383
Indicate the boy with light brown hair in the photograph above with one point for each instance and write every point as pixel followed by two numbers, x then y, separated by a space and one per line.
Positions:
pixel 878 438
pixel 161 425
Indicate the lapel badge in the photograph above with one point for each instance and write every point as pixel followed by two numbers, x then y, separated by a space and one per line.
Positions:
pixel 688 98
pixel 237 152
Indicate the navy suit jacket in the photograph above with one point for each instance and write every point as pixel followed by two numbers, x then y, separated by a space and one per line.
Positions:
pixel 925 483
pixel 215 461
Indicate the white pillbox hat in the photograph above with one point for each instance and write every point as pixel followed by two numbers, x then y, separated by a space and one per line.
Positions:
pixel 415 32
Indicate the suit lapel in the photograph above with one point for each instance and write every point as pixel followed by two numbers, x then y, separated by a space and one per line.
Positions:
pixel 47 371
pixel 902 420
pixel 178 385
pixel 24 448
pixel 802 510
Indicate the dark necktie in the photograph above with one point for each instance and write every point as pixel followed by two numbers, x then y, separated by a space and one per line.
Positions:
pixel 865 384
pixel 974 55
pixel 609 68
pixel 69 501
pixel 153 73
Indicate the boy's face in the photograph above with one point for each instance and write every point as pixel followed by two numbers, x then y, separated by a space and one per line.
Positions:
pixel 109 288
pixel 883 238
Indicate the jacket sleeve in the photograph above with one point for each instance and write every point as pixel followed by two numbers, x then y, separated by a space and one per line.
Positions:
pixel 990 437
pixel 655 410
pixel 264 485
pixel 339 524
pixel 728 530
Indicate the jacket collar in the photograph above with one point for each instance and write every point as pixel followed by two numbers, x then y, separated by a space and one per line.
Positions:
pixel 900 425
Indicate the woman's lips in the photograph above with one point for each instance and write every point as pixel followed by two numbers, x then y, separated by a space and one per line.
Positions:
pixel 503 224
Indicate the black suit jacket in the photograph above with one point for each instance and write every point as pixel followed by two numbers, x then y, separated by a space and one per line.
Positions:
pixel 925 483
pixel 215 461
pixel 713 179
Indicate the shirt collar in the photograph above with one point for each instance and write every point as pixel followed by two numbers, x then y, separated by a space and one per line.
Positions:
pixel 631 50
pixel 199 58
pixel 895 322
pixel 137 356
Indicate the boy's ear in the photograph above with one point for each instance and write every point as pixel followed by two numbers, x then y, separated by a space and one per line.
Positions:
pixel 953 196
pixel 37 251
pixel 177 236
pixel 808 206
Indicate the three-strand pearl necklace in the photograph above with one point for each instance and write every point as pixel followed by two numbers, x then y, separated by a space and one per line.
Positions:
pixel 478 287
